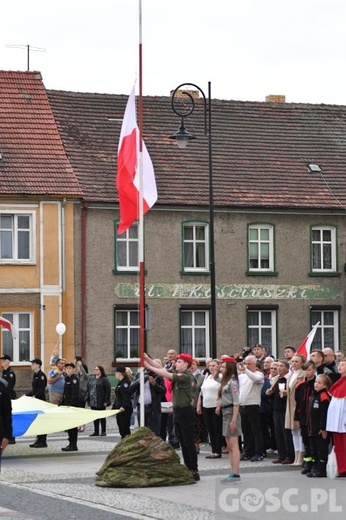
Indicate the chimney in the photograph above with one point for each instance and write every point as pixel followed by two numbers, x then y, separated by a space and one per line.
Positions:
pixel 275 98
pixel 182 92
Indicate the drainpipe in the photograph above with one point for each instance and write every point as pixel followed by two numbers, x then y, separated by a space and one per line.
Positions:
pixel 83 279
pixel 62 312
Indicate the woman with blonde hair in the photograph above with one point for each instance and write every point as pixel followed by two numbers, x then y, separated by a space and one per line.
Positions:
pixel 296 377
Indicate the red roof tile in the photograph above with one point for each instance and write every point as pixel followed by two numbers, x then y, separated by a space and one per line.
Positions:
pixel 33 158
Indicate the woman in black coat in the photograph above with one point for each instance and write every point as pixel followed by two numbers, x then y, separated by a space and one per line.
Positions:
pixel 98 396
pixel 123 401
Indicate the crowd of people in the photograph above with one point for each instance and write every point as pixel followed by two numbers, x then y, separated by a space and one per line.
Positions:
pixel 246 406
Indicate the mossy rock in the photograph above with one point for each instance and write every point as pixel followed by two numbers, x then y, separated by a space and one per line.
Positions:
pixel 143 460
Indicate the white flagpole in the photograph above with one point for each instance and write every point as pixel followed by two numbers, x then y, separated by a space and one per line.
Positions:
pixel 141 231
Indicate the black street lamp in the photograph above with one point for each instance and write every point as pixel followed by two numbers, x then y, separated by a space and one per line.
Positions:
pixel 182 138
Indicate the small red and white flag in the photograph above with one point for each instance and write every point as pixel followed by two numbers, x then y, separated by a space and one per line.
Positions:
pixel 127 180
pixel 8 325
pixel 305 347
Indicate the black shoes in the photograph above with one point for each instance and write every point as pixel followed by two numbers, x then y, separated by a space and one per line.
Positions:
pixel 95 434
pixel 195 475
pixel 12 441
pixel 38 445
pixel 70 448
pixel 103 434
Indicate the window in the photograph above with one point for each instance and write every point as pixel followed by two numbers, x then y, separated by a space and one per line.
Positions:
pixel 195 247
pixel 16 238
pixel 327 334
pixel 126 249
pixel 127 334
pixel 323 247
pixel 262 329
pixel 20 347
pixel 260 248
pixel 194 333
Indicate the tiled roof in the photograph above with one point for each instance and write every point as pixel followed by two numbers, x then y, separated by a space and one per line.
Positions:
pixel 260 151
pixel 33 160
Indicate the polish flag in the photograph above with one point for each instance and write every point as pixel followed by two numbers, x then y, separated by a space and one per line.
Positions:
pixel 128 170
pixel 8 325
pixel 305 347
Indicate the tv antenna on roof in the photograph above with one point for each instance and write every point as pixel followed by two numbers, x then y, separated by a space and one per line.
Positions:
pixel 28 48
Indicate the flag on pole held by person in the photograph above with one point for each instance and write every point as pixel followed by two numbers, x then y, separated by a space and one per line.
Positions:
pixel 127 180
pixel 8 325
pixel 305 347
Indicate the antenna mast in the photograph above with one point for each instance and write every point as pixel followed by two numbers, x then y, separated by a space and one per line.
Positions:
pixel 28 49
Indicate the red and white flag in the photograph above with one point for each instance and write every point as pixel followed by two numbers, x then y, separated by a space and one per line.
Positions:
pixel 305 347
pixel 128 170
pixel 8 325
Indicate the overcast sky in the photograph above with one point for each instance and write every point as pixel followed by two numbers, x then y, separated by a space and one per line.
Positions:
pixel 246 48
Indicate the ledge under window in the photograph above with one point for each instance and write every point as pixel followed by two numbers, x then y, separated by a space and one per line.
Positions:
pixel 195 273
pixel 324 274
pixel 115 271
pixel 262 273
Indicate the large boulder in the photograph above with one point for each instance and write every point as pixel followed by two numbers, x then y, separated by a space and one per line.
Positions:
pixel 143 460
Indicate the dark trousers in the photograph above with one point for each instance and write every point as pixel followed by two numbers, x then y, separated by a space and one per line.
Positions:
pixel 214 426
pixel 42 439
pixel 267 428
pixel 72 436
pixel 123 421
pixel 306 440
pixel 251 427
pixel 167 428
pixel 284 441
pixel 184 422
pixel 319 448
pixel 152 420
pixel 97 423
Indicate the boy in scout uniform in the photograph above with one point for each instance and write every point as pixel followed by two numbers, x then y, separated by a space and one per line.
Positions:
pixel 183 412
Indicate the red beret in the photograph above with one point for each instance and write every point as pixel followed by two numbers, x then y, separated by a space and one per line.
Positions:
pixel 227 359
pixel 185 357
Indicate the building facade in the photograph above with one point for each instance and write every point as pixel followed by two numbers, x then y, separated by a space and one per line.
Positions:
pixel 38 191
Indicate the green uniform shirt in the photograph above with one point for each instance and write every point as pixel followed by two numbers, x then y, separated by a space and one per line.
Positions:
pixel 183 385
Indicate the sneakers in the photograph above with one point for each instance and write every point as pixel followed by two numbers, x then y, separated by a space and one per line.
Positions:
pixel 195 475
pixel 256 458
pixel 233 477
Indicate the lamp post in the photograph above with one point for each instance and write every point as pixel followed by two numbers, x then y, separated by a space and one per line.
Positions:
pixel 182 137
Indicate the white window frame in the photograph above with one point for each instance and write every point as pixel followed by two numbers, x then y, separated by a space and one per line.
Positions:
pixel 126 239
pixel 258 242
pixel 191 349
pixel 194 241
pixel 13 317
pixel 32 235
pixel 271 349
pixel 128 327
pixel 321 243
pixel 319 341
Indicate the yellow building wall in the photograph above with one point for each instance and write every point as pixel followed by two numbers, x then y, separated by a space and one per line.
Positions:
pixel 50 240
pixel 58 273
